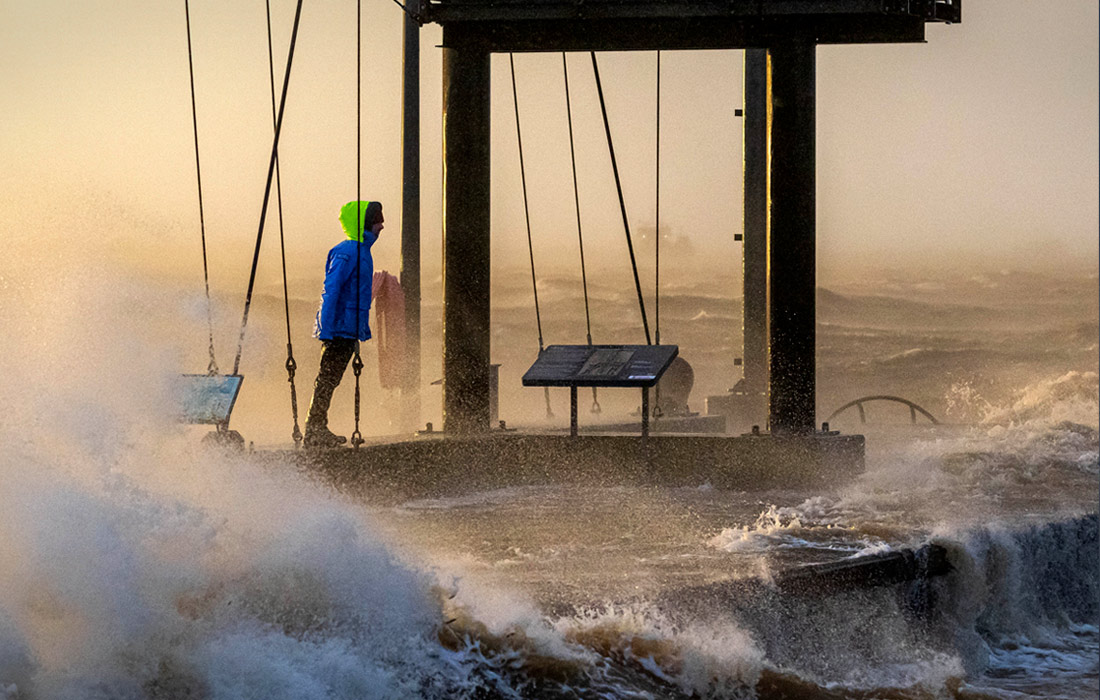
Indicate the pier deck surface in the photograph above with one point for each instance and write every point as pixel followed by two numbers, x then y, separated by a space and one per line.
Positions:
pixel 437 465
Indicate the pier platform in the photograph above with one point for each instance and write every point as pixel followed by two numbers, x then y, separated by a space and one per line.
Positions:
pixel 437 465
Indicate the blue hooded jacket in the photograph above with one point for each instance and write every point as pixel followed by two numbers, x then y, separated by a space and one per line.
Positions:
pixel 340 304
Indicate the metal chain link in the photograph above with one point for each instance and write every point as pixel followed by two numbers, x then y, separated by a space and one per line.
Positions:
pixel 357 368
pixel 291 368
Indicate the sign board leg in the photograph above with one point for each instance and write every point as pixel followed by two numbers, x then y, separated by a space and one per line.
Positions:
pixel 573 411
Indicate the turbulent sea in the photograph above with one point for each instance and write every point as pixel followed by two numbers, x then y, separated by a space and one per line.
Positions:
pixel 134 564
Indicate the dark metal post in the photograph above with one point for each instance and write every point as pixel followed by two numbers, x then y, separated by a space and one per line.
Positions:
pixel 754 325
pixel 792 283
pixel 465 240
pixel 410 218
pixel 573 411
pixel 645 411
pixel 494 395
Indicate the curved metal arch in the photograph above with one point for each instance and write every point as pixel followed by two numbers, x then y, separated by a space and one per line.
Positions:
pixel 913 408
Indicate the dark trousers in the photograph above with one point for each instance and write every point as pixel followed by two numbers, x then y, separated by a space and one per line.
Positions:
pixel 334 361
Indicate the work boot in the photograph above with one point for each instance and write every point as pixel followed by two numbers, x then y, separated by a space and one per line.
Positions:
pixel 323 438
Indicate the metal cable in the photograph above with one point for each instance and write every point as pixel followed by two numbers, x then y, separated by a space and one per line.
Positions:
pixel 526 211
pixel 657 244
pixel 577 204
pixel 267 188
pixel 657 196
pixel 291 365
pixel 212 366
pixel 576 198
pixel 527 219
pixel 357 362
pixel 622 202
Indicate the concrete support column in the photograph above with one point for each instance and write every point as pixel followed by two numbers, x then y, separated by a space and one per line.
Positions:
pixel 755 245
pixel 465 240
pixel 793 278
pixel 410 220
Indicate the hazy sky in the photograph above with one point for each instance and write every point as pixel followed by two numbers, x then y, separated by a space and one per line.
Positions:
pixel 981 142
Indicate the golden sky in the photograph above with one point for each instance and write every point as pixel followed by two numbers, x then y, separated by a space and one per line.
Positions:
pixel 981 143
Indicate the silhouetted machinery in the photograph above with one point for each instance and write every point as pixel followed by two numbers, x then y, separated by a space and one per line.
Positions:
pixel 675 388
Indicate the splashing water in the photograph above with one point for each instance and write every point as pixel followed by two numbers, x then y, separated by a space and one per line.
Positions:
pixel 135 565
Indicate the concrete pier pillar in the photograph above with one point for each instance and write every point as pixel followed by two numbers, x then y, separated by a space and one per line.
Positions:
pixel 754 325
pixel 793 275
pixel 466 240
pixel 410 220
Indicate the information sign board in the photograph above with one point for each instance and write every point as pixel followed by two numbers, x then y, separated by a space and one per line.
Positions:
pixel 600 365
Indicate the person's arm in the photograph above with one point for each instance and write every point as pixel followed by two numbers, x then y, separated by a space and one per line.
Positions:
pixel 336 275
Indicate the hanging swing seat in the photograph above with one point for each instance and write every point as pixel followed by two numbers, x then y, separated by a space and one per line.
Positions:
pixel 207 399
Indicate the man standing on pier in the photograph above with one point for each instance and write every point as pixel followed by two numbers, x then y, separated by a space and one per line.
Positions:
pixel 342 320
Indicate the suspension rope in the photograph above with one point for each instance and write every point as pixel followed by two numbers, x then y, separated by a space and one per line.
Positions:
pixel 657 412
pixel 526 210
pixel 577 206
pixel 576 198
pixel 357 362
pixel 527 219
pixel 622 202
pixel 212 366
pixel 657 196
pixel 291 365
pixel 267 188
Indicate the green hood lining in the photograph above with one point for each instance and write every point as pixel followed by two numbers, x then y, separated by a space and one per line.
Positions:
pixel 347 217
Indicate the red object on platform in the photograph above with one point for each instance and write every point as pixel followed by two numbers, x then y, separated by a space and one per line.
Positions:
pixel 389 310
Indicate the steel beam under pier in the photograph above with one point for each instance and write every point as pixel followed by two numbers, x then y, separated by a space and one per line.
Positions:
pixel 466 265
pixel 791 230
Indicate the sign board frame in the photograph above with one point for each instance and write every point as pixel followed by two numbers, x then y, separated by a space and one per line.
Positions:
pixel 625 366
